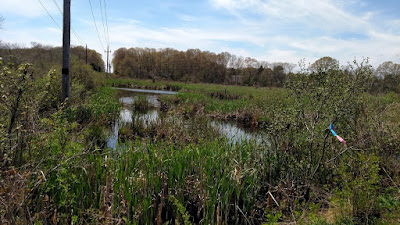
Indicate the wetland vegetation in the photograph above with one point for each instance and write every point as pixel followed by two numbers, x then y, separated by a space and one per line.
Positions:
pixel 117 157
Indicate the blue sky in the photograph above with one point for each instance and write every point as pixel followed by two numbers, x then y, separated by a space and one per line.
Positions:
pixel 272 30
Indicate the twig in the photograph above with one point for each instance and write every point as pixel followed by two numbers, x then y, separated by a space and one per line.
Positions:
pixel 338 155
pixel 320 159
pixel 44 177
pixel 390 178
pixel 294 218
pixel 270 194
pixel 243 215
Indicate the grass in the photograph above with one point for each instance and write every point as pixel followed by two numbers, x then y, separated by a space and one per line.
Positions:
pixel 141 104
pixel 182 171
pixel 275 109
pixel 256 103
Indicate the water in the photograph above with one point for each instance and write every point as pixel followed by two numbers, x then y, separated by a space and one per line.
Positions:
pixel 127 97
pixel 159 92
pixel 232 131
pixel 236 134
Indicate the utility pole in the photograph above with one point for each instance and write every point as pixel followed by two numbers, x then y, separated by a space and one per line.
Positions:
pixel 66 81
pixel 109 61
pixel 86 55
pixel 108 64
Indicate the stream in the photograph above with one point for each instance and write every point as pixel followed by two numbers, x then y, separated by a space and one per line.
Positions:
pixel 232 131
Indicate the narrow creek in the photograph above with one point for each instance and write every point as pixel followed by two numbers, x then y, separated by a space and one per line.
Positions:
pixel 233 132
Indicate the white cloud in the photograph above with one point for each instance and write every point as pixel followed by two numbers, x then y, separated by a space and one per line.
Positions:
pixel 272 30
pixel 312 28
pixel 285 48
pixel 184 37
pixel 323 15
pixel 27 8
pixel 45 35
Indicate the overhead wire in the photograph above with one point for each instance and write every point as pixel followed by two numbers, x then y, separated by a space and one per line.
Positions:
pixel 48 13
pixel 106 31
pixel 94 20
pixel 102 20
pixel 105 13
pixel 104 17
pixel 73 30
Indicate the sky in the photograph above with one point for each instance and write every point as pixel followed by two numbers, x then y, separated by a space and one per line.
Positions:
pixel 270 30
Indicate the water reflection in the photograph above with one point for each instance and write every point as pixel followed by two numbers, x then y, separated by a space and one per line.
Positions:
pixel 233 132
pixel 236 135
pixel 159 92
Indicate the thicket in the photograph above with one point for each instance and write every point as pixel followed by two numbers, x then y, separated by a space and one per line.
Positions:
pixel 305 174
pixel 194 65
pixel 45 57
pixel 37 133
pixel 56 167
pixel 199 66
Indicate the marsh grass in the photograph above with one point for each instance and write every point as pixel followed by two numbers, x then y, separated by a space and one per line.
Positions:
pixel 212 181
pixel 180 170
pixel 141 104
pixel 222 101
pixel 205 178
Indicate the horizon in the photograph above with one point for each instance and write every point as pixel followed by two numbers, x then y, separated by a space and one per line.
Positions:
pixel 272 30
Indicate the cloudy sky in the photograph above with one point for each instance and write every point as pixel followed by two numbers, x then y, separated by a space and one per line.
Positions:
pixel 272 30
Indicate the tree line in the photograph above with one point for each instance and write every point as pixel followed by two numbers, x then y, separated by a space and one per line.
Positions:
pixel 44 57
pixel 192 65
pixel 195 65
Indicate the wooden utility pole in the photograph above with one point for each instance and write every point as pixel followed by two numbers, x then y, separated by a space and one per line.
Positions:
pixel 108 64
pixel 66 81
pixel 86 56
pixel 109 61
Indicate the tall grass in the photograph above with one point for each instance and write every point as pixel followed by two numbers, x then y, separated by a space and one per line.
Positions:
pixel 214 182
pixel 178 171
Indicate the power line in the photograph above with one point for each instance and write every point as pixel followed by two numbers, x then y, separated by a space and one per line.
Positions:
pixel 94 20
pixel 50 15
pixel 105 12
pixel 75 33
pixel 102 20
pixel 77 37
pixel 108 38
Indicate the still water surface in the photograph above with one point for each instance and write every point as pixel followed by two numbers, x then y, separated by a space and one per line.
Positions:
pixel 232 131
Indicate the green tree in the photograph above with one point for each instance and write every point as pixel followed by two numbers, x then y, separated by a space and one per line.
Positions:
pixel 388 68
pixel 320 98
pixel 388 77
pixel 324 64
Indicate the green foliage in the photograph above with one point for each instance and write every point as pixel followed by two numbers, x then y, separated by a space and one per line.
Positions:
pixel 102 104
pixel 324 64
pixel 196 66
pixel 252 104
pixel 141 104
pixel 359 179
pixel 180 170
pixel 181 210
pixel 272 219
pixel 84 74
pixel 71 161
pixel 18 107
pixel 45 58
pixel 52 91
